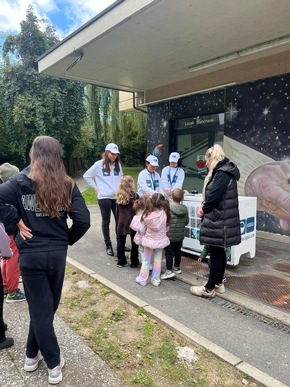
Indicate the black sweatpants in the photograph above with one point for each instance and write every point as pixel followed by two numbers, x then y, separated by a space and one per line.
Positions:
pixel 217 267
pixel 43 275
pixel 173 253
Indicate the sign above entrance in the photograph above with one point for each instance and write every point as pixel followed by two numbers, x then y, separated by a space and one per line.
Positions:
pixel 200 121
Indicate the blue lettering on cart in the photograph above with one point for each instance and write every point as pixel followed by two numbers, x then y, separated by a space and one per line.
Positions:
pixel 247 225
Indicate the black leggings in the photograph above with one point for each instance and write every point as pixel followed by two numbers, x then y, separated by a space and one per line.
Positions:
pixel 217 268
pixel 122 260
pixel 106 206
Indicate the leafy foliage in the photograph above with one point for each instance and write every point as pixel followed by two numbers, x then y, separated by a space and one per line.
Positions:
pixel 108 124
pixel 84 118
pixel 35 104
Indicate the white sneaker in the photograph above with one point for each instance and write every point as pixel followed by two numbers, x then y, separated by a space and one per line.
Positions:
pixel 31 364
pixel 167 274
pixel 220 288
pixel 55 374
pixel 176 270
pixel 201 291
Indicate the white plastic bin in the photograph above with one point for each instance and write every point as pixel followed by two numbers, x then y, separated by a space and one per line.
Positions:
pixel 248 211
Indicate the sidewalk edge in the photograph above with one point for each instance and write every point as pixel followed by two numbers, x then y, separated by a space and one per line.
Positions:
pixel 182 330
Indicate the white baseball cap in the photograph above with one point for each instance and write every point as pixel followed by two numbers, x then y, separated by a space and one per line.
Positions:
pixel 174 157
pixel 153 160
pixel 113 148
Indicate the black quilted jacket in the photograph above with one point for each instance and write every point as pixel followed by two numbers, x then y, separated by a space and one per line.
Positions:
pixel 221 222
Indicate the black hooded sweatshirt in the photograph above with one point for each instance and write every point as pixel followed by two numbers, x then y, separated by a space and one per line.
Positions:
pixel 49 234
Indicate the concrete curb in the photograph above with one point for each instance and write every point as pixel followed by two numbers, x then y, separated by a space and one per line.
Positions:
pixel 243 301
pixel 182 330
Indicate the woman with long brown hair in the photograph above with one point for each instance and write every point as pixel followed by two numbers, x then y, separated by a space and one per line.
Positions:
pixel 44 197
pixel 104 177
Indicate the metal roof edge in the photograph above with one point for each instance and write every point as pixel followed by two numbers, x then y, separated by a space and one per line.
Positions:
pixel 91 21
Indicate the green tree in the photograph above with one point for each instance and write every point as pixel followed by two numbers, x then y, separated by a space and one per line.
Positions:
pixel 36 104
pixel 108 124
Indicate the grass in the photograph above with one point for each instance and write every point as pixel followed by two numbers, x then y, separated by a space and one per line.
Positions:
pixel 140 350
pixel 90 196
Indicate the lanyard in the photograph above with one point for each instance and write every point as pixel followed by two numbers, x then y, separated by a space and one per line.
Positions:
pixel 153 180
pixel 172 181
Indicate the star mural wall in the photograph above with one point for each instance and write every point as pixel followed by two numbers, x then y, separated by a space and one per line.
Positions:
pixel 257 115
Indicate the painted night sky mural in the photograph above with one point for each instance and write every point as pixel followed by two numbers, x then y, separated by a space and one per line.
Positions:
pixel 256 138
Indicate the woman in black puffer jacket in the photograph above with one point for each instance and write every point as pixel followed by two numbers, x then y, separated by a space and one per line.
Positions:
pixel 220 227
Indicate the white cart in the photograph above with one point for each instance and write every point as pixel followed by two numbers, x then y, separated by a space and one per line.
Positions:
pixel 248 212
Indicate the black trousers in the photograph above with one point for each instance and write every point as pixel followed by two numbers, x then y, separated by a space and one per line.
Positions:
pixel 2 332
pixel 121 240
pixel 217 267
pixel 43 275
pixel 173 252
pixel 106 206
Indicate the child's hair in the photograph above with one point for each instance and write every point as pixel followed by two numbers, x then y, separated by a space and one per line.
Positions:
pixel 159 202
pixel 125 190
pixel 139 204
pixel 177 195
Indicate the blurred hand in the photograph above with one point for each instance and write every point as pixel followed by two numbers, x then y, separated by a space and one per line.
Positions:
pixel 24 231
pixel 270 183
pixel 200 212
pixel 97 192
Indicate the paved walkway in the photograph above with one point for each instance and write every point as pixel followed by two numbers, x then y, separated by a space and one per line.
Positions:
pixel 246 341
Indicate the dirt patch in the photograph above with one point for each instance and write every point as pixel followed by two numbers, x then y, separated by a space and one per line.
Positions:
pixel 138 348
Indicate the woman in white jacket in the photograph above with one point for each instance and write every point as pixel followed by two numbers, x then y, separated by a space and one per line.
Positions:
pixel 149 180
pixel 172 176
pixel 104 176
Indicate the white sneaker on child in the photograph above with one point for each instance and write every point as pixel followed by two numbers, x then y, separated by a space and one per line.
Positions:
pixel 167 274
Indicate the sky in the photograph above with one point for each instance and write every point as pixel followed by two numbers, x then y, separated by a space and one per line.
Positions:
pixel 64 15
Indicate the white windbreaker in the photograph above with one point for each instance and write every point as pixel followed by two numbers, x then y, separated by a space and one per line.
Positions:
pixel 106 183
pixel 149 182
pixel 172 178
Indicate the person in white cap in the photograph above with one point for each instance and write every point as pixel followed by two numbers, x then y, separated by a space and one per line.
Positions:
pixel 172 176
pixel 149 180
pixel 104 176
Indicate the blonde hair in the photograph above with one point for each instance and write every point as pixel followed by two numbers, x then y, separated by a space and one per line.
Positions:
pixel 215 154
pixel 125 190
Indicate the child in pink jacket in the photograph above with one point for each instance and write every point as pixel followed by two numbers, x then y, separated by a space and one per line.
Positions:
pixel 156 219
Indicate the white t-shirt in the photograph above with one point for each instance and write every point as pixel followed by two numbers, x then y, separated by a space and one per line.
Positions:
pixel 149 182
pixel 105 182
pixel 172 178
